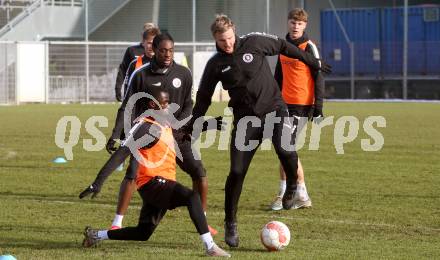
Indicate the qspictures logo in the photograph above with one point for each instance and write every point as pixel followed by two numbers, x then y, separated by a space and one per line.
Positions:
pixel 293 134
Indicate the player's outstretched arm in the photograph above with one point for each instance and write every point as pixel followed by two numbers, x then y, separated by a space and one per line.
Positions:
pixel 109 167
pixel 273 45
pixel 147 135
pixel 185 132
pixel 292 51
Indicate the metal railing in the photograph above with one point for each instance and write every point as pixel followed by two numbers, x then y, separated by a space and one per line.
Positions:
pixel 67 69
pixel 8 72
pixel 25 13
pixel 11 8
pixel 35 6
pixel 382 60
pixel 64 2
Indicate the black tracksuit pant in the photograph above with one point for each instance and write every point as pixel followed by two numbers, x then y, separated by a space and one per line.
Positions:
pixel 241 159
pixel 158 196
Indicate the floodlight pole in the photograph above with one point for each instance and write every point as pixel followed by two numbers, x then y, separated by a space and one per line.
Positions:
pixel 156 6
pixel 267 15
pixel 6 78
pixel 86 38
pixel 405 51
pixel 194 25
pixel 194 40
pixel 46 74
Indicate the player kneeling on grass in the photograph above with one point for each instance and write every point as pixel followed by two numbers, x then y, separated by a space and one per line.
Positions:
pixel 156 182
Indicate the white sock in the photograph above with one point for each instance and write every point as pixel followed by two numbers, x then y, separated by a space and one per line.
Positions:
pixel 207 240
pixel 282 188
pixel 117 221
pixel 102 234
pixel 302 191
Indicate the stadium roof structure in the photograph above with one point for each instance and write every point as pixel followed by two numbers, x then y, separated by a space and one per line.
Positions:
pixel 35 20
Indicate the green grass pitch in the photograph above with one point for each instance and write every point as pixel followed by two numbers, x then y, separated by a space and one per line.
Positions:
pixel 366 205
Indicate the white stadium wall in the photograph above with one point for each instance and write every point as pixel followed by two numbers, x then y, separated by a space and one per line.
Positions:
pixel 31 72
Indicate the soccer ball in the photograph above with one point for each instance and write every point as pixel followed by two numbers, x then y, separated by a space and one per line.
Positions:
pixel 275 236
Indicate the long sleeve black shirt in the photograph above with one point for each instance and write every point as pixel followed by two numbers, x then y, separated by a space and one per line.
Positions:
pixel 246 74
pixel 130 54
pixel 176 79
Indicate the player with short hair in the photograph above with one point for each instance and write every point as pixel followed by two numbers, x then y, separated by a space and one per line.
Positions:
pixel 155 181
pixel 241 65
pixel 303 91
pixel 150 30
pixel 162 72
pixel 132 53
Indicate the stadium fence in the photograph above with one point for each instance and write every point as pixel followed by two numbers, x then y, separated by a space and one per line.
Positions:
pixel 76 71
pixel 85 72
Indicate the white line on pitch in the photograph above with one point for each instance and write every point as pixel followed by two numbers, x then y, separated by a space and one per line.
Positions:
pixel 267 216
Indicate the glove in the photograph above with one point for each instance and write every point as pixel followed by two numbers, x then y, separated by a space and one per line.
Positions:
pixel 317 114
pixel 92 189
pixel 325 67
pixel 219 126
pixel 111 146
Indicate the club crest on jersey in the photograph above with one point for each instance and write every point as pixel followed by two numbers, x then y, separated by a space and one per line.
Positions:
pixel 248 57
pixel 177 82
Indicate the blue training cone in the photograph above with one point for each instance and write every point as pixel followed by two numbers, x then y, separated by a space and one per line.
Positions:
pixel 59 160
pixel 7 257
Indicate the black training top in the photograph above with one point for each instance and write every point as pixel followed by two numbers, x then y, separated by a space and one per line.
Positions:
pixel 131 53
pixel 246 74
pixel 131 68
pixel 176 79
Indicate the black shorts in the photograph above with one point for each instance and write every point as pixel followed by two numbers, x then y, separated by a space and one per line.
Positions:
pixel 159 195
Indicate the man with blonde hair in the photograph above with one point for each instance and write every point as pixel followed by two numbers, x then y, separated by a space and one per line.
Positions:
pixel 148 26
pixel 241 66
